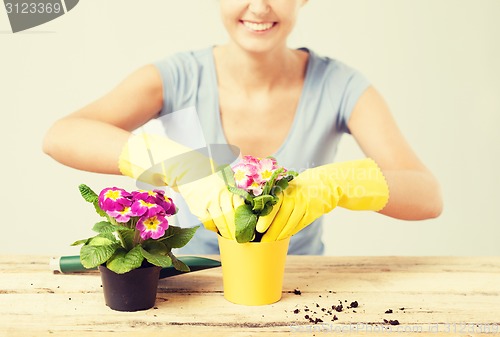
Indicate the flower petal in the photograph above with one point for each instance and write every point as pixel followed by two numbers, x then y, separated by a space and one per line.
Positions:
pixel 114 198
pixel 152 227
pixel 121 216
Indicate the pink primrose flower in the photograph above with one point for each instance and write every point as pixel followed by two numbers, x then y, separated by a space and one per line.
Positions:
pixel 114 199
pixel 251 160
pixel 167 204
pixel 256 188
pixel 153 197
pixel 122 216
pixel 252 173
pixel 148 196
pixel 244 174
pixel 152 226
pixel 144 208
pixel 265 170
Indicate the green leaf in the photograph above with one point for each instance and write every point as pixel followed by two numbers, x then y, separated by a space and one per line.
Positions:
pixel 122 261
pixel 176 237
pixel 260 202
pixel 93 198
pixel 178 264
pixel 88 194
pixel 126 236
pixel 104 227
pixel 99 210
pixel 80 242
pixel 155 247
pixel 102 240
pixel 266 210
pixel 242 193
pixel 280 186
pixel 93 256
pixel 270 183
pixel 245 222
pixel 157 255
pixel 109 236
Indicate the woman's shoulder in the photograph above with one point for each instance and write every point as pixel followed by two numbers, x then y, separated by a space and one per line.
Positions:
pixel 189 57
pixel 327 66
pixel 184 66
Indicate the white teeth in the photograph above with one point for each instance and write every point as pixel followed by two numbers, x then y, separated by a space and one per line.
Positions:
pixel 259 27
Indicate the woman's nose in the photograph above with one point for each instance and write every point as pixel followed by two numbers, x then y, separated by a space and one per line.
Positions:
pixel 259 7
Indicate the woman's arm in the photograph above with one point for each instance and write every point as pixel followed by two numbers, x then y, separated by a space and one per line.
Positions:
pixel 414 191
pixel 92 138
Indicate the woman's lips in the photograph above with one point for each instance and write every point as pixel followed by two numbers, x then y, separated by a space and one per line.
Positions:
pixel 258 27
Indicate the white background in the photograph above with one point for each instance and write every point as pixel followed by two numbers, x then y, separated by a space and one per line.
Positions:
pixel 435 61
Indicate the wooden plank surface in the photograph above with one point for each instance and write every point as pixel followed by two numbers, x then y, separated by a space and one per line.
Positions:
pixel 452 296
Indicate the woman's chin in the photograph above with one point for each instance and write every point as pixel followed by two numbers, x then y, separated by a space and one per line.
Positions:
pixel 258 47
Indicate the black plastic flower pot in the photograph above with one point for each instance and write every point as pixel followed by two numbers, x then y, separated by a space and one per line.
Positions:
pixel 132 291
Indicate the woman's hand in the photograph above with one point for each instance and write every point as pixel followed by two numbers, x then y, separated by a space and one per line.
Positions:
pixel 211 202
pixel 355 185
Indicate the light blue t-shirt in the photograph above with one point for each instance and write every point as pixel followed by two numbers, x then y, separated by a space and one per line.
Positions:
pixel 330 91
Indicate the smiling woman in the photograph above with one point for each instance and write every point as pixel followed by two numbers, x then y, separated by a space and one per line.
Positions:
pixel 255 26
pixel 257 94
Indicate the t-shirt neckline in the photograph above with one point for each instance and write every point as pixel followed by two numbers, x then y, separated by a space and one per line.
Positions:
pixel 298 112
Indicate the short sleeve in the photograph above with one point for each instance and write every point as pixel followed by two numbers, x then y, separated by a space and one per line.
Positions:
pixel 179 77
pixel 343 87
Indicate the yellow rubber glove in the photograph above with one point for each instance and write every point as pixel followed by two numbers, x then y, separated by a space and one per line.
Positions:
pixel 212 203
pixel 159 161
pixel 355 185
pixel 264 222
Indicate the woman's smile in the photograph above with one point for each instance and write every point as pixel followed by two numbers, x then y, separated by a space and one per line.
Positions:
pixel 258 27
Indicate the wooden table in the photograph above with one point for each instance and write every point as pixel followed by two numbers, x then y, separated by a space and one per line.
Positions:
pixel 453 296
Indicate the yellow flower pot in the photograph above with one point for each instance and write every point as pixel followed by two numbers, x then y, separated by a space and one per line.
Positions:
pixel 252 273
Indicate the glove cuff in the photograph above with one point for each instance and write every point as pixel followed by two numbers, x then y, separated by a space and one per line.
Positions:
pixel 363 186
pixel 124 164
pixel 143 151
